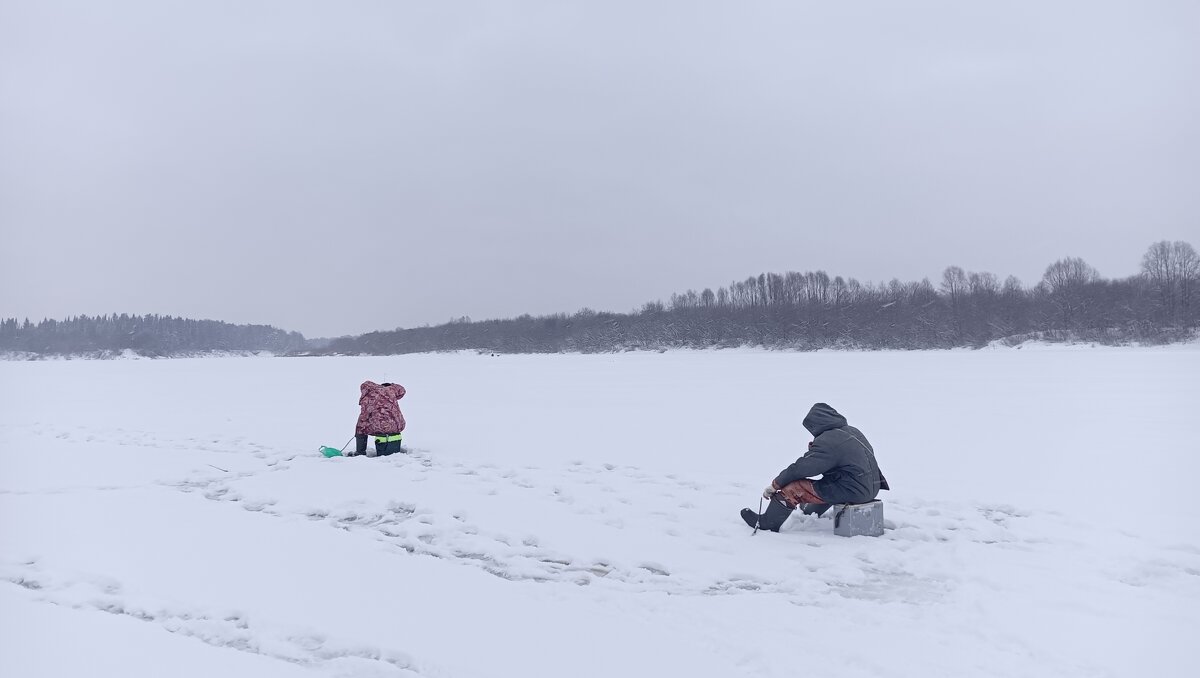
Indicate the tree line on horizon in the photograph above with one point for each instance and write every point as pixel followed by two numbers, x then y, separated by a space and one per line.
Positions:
pixel 144 334
pixel 814 310
pixel 790 310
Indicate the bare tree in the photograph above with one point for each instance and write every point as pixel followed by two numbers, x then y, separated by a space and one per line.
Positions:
pixel 1012 287
pixel 954 282
pixel 1014 307
pixel 954 286
pixel 840 291
pixel 983 284
pixel 1173 271
pixel 1066 281
pixel 1068 273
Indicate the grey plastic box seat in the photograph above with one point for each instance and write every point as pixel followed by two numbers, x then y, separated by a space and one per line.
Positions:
pixel 851 520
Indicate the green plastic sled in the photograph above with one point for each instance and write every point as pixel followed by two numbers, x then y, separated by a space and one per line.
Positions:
pixel 331 451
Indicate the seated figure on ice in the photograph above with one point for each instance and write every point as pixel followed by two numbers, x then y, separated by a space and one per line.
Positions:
pixel 840 454
pixel 380 416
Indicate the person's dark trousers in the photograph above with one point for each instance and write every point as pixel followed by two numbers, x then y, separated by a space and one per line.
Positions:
pixel 360 443
pixel 387 444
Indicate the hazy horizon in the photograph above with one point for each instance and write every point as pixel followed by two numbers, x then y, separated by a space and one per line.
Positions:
pixel 935 280
pixel 339 169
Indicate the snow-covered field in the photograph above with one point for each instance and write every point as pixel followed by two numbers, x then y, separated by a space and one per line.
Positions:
pixel 570 515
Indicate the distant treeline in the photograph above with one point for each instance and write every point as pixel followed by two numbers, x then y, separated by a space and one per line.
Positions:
pixel 814 310
pixel 789 310
pixel 147 335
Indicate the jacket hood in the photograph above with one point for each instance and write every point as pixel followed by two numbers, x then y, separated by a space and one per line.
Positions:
pixel 821 418
pixel 368 386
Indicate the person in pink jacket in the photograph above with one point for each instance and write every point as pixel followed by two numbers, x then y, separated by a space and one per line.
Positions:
pixel 380 417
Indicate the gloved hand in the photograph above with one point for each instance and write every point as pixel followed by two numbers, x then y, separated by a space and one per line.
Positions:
pixel 770 491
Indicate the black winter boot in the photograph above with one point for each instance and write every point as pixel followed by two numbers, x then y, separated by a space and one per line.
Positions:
pixel 772 519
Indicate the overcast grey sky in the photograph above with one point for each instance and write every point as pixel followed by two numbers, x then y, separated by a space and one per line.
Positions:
pixel 338 167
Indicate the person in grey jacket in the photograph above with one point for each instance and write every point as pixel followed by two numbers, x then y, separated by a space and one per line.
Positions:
pixel 840 454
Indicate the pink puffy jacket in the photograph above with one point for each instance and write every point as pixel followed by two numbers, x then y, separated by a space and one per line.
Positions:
pixel 380 409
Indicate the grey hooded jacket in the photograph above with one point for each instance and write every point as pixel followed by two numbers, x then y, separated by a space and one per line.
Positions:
pixel 841 455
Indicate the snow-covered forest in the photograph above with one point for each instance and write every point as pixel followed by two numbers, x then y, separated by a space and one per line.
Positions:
pixel 1161 304
pixel 150 335
pixel 814 310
